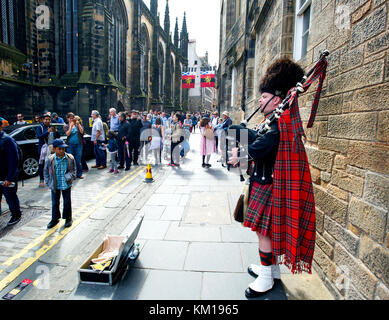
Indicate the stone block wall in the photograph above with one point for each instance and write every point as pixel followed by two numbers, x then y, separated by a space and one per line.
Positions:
pixel 348 147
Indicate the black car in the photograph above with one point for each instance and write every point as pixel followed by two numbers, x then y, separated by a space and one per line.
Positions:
pixel 25 136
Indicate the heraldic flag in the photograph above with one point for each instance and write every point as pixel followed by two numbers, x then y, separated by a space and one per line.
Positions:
pixel 207 79
pixel 188 80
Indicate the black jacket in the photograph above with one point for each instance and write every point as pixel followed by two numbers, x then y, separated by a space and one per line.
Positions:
pixel 264 152
pixel 9 158
pixel 134 130
pixel 123 131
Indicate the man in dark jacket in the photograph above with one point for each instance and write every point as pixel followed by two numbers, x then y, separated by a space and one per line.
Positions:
pixel 9 159
pixel 42 133
pixel 134 137
pixel 123 137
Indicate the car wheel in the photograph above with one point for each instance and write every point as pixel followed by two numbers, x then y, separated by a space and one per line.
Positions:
pixel 30 167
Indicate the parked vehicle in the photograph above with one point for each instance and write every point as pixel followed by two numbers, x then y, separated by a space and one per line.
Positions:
pixel 25 136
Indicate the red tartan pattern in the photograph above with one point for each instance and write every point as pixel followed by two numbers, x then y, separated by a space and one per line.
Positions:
pixel 293 227
pixel 259 210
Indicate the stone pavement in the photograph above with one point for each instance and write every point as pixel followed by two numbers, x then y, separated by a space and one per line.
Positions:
pixel 191 248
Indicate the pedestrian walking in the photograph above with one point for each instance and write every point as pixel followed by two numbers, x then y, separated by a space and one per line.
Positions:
pixel 123 139
pixel 42 132
pixel 188 124
pixel 75 132
pixel 145 135
pixel 156 144
pixel 207 141
pixel 98 138
pixel 9 159
pixel 59 172
pixel 112 148
pixel 135 125
pixel 177 136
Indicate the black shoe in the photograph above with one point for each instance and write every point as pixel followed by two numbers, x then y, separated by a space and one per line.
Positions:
pixel 203 165
pixel 68 223
pixel 52 224
pixel 208 165
pixel 136 164
pixel 250 293
pixel 120 167
pixel 128 169
pixel 14 220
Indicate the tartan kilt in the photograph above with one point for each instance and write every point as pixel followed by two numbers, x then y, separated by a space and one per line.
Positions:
pixel 259 212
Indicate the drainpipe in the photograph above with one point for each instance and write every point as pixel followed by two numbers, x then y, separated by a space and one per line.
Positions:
pixel 243 104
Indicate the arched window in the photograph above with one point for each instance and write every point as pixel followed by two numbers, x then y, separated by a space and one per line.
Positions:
pixel 117 28
pixel 161 62
pixel 173 68
pixel 12 23
pixel 144 59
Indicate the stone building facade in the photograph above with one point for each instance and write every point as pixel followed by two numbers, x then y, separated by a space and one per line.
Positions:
pixel 199 99
pixel 348 146
pixel 79 55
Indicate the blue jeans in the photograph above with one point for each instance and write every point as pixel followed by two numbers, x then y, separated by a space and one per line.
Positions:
pixel 12 199
pixel 76 151
pixel 67 204
pixel 101 155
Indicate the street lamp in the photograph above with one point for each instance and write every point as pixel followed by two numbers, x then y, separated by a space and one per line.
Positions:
pixel 28 65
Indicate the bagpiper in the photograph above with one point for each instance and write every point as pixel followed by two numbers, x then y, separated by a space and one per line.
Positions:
pixel 281 207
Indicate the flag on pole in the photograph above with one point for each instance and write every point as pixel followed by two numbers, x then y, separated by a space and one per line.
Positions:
pixel 207 79
pixel 188 80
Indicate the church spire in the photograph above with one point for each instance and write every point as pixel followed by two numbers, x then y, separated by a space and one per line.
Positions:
pixel 167 19
pixel 184 38
pixel 176 34
pixel 154 7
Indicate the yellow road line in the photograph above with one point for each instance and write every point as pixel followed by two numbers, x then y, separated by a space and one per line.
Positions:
pixel 45 248
pixel 48 233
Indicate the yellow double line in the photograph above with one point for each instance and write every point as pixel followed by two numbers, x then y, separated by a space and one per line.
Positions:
pixel 112 190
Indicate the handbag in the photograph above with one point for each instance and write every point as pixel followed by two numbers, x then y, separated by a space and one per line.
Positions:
pixel 208 133
pixel 242 204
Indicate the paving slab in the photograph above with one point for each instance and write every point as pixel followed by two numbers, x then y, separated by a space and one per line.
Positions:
pixel 166 255
pixel 233 234
pixel 170 199
pixel 130 286
pixel 185 232
pixel 152 212
pixel 153 229
pixel 173 213
pixel 171 285
pixel 225 286
pixel 208 256
pixel 205 207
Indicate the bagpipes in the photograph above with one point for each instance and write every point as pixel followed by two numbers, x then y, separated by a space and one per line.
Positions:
pixel 318 71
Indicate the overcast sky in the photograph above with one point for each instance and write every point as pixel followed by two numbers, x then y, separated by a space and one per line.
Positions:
pixel 203 22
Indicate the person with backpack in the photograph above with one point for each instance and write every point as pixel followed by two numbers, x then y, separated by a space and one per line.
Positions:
pixel 59 173
pixel 9 159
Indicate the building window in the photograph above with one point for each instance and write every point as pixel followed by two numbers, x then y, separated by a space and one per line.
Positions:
pixel 71 36
pixel 302 28
pixel 7 25
pixel 115 48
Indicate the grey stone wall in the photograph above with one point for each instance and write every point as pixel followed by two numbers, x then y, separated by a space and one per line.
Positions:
pixel 348 146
